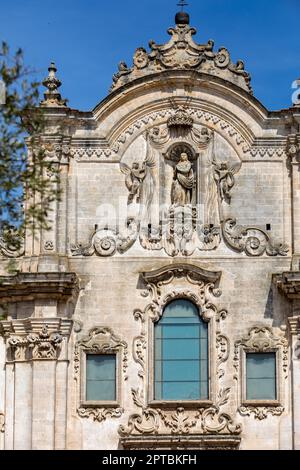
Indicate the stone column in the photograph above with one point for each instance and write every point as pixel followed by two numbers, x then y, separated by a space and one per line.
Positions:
pixel 294 323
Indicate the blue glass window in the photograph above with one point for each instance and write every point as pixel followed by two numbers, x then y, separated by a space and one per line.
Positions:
pixel 101 377
pixel 261 376
pixel 181 353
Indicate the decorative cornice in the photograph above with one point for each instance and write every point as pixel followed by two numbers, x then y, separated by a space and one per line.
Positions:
pixel 288 283
pixel 28 286
pixel 188 442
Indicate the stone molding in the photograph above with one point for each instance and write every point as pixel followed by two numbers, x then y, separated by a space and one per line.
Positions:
pixel 289 284
pixel 181 442
pixel 29 286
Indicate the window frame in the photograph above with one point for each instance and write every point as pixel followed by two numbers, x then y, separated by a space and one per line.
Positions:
pixel 264 401
pixel 203 403
pixel 102 403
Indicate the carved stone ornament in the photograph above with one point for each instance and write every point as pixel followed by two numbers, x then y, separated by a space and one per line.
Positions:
pixel 184 419
pixel 253 241
pixel 11 245
pixel 182 53
pixel 100 340
pixel 42 345
pixel 261 339
pixel 293 147
pixel 100 414
pixel 52 97
pixel 261 412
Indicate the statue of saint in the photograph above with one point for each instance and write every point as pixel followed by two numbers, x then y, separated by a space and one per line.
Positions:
pixel 182 187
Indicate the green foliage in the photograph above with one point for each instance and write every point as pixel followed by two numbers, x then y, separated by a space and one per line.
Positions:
pixel 28 186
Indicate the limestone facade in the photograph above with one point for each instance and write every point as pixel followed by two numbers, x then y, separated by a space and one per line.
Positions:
pixel 139 225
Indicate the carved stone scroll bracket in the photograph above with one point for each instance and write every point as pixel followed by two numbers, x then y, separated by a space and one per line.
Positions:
pixel 105 242
pixel 252 241
pixel 100 340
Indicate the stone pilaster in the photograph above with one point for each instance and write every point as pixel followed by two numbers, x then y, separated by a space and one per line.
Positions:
pixel 293 151
pixel 289 285
pixel 36 377
pixel 294 323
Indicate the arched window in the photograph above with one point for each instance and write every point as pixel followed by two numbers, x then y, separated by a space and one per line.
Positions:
pixel 181 353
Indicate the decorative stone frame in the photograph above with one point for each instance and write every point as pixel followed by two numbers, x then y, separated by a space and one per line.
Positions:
pixel 261 339
pixel 192 297
pixel 100 340
pixel 171 422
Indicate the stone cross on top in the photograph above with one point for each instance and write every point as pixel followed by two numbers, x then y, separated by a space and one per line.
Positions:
pixel 182 3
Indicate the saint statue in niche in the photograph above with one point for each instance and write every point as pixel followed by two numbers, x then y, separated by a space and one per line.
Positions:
pixel 183 182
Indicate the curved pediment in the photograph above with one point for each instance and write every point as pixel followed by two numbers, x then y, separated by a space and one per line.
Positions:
pixel 181 53
pixel 193 272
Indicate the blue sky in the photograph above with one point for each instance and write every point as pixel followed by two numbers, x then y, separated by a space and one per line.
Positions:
pixel 87 39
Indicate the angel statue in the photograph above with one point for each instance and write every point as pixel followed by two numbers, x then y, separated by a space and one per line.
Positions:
pixel 224 178
pixel 183 182
pixel 139 179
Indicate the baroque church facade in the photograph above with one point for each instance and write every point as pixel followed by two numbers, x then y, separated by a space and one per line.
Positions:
pixel 162 309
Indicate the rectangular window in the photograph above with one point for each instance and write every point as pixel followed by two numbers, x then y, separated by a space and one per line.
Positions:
pixel 261 376
pixel 101 377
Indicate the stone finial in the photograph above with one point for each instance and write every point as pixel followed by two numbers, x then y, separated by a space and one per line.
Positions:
pixel 52 97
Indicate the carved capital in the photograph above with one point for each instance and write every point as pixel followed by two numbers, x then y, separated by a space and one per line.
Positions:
pixel 34 339
pixel 293 148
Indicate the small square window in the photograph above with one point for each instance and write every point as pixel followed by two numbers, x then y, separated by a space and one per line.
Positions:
pixel 101 377
pixel 261 376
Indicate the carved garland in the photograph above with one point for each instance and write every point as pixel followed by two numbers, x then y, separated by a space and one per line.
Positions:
pixel 261 339
pixel 181 420
pixel 99 340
